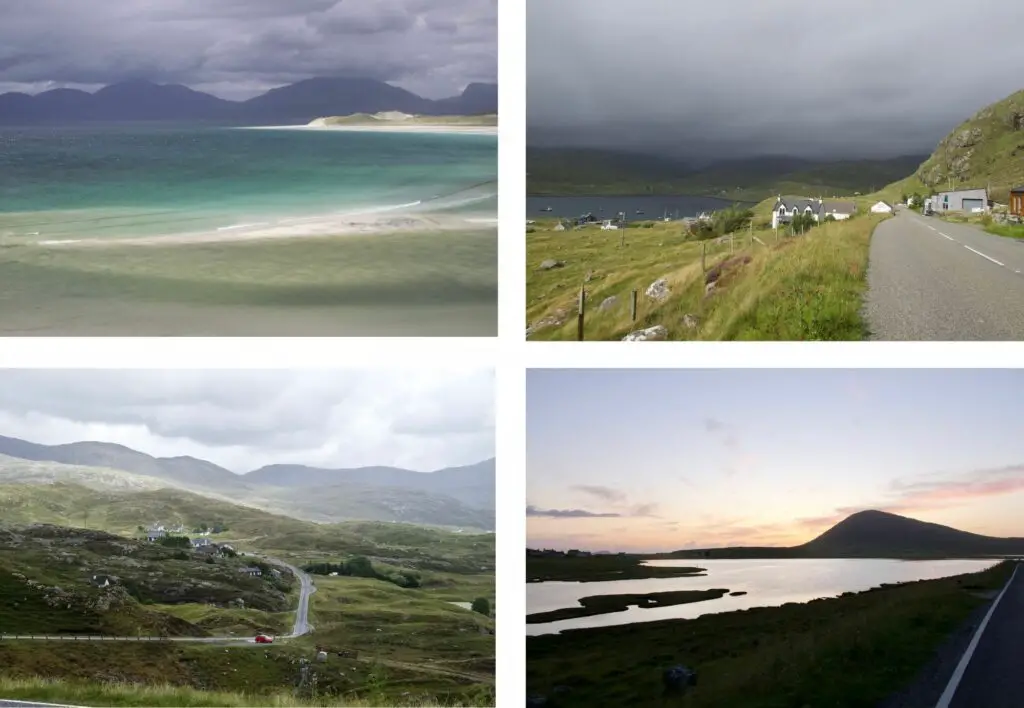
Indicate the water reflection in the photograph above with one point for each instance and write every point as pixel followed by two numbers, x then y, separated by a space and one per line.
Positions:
pixel 766 582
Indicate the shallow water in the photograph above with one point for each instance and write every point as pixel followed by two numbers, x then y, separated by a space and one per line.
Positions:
pixel 131 181
pixel 766 582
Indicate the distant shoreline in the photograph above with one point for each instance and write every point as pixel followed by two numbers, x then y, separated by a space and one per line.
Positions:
pixel 421 128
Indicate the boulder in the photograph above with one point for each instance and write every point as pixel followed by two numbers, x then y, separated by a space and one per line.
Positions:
pixel 651 334
pixel 658 290
pixel 608 303
pixel 678 678
pixel 551 264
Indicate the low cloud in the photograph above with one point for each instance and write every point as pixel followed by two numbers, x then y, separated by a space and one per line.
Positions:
pixel 569 513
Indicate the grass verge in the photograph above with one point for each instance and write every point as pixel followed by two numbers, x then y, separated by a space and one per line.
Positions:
pixel 806 287
pixel 844 652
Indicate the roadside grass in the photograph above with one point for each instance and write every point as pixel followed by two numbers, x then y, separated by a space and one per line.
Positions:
pixel 598 568
pixel 1007 230
pixel 807 287
pixel 128 694
pixel 846 652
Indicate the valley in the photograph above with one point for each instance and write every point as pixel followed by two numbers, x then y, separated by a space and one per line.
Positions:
pixel 114 544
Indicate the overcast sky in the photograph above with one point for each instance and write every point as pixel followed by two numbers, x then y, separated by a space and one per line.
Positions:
pixel 418 419
pixel 863 78
pixel 238 48
pixel 664 460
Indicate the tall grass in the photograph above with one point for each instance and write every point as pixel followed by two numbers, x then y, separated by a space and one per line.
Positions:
pixel 768 286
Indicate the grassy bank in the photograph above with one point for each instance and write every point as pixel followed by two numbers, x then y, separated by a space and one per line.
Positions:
pixel 411 284
pixel 1007 230
pixel 844 652
pixel 603 604
pixel 807 287
pixel 588 569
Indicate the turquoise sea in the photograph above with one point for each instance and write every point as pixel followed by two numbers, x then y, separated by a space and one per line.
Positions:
pixel 133 181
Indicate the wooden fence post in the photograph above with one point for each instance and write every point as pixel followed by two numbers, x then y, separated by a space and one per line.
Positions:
pixel 703 256
pixel 632 307
pixel 622 238
pixel 579 322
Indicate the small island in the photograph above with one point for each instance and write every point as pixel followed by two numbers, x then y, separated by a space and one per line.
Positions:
pixel 396 121
pixel 583 567
pixel 602 604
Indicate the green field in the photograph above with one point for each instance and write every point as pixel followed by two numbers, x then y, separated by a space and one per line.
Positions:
pixel 846 652
pixel 367 285
pixel 807 287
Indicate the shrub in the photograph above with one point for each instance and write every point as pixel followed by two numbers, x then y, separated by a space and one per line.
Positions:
pixel 482 606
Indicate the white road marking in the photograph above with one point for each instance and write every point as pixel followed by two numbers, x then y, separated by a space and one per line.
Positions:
pixel 945 236
pixel 958 674
pixel 984 256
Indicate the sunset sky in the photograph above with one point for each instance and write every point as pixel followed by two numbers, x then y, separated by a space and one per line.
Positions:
pixel 653 460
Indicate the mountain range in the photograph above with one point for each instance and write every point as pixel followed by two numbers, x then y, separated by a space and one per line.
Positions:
pixel 455 496
pixel 296 103
pixel 877 534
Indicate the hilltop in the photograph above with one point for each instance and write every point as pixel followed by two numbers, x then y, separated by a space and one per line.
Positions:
pixel 878 534
pixel 985 150
pixel 458 496
pixel 298 103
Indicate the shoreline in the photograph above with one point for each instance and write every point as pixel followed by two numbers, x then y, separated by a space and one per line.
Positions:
pixel 423 128
pixel 794 654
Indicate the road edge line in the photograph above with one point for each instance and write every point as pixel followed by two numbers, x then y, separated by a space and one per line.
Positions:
pixel 958 673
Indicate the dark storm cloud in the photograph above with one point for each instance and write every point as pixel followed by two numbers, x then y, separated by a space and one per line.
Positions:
pixel 236 48
pixel 865 78
pixel 245 419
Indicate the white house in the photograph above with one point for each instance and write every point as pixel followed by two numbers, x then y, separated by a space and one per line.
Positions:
pixel 881 208
pixel 609 225
pixel 786 208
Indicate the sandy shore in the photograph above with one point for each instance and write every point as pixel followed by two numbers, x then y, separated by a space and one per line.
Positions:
pixel 310 227
pixel 418 128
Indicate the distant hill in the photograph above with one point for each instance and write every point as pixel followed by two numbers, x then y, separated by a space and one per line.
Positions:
pixel 296 103
pixel 985 150
pixel 458 496
pixel 568 171
pixel 878 534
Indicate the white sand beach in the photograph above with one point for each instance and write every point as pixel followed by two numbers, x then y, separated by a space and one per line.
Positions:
pixel 397 128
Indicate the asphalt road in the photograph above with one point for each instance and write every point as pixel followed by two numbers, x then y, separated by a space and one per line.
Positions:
pixel 993 678
pixel 306 588
pixel 933 280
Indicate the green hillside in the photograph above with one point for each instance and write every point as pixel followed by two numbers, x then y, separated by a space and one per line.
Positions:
pixel 985 150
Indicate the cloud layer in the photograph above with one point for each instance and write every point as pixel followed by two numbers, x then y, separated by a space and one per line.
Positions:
pixel 869 78
pixel 238 48
pixel 415 418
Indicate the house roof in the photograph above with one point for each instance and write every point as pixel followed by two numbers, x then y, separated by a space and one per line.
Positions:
pixel 1017 190
pixel 841 207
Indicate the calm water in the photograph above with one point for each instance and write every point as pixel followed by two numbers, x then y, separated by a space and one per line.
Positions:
pixel 654 207
pixel 767 583
pixel 149 181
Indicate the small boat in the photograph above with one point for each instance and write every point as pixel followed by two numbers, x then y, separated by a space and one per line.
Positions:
pixel 639 211
pixel 547 208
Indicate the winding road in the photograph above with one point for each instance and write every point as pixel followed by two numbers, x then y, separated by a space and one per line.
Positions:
pixel 301 627
pixel 930 279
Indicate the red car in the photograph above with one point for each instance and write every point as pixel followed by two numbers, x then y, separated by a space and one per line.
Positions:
pixel 263 639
